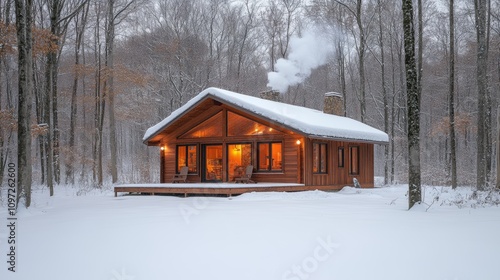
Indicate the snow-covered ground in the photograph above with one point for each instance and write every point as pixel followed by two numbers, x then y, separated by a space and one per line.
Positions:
pixel 351 234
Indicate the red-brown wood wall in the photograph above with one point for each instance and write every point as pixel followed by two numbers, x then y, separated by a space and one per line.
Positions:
pixel 336 176
pixel 297 158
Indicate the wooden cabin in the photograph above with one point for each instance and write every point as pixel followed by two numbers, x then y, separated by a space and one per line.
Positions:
pixel 218 133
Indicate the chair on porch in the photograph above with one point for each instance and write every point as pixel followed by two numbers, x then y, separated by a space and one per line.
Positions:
pixel 246 178
pixel 182 176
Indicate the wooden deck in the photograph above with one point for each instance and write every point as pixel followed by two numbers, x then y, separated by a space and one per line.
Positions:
pixel 228 189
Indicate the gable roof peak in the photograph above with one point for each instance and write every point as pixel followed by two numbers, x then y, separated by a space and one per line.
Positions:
pixel 309 122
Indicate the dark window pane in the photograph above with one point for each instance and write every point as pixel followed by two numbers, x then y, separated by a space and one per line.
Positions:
pixel 323 158
pixel 354 156
pixel 316 151
pixel 319 158
pixel 341 156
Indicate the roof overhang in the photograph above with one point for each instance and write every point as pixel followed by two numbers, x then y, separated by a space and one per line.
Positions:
pixel 269 111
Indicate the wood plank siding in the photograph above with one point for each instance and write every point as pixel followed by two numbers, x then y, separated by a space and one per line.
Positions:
pixel 338 175
pixel 296 158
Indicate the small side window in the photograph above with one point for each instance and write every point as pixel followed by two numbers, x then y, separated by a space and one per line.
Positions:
pixel 354 160
pixel 341 157
pixel 320 158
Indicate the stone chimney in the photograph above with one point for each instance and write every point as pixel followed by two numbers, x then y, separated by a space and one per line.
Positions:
pixel 272 95
pixel 334 104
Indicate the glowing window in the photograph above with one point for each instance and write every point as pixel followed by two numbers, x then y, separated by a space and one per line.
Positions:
pixel 270 156
pixel 186 156
pixel 239 156
pixel 238 125
pixel 212 127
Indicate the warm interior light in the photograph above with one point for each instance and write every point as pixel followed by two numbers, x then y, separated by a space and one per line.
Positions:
pixel 162 148
pixel 298 142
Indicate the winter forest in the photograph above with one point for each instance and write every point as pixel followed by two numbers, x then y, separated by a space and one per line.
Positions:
pixel 99 73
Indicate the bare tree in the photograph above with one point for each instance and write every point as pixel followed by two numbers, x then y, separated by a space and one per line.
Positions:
pixel 99 102
pixel 24 21
pixel 451 104
pixel 80 24
pixel 361 47
pixel 280 24
pixel 7 117
pixel 495 14
pixel 413 103
pixel 114 17
pixel 482 84
pixel 384 91
pixel 58 26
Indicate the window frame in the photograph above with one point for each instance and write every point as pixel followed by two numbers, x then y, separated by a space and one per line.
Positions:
pixel 341 157
pixel 270 152
pixel 264 131
pixel 177 170
pixel 196 128
pixel 322 157
pixel 239 143
pixel 352 162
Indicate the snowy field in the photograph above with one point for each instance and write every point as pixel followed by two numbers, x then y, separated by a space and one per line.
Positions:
pixel 351 234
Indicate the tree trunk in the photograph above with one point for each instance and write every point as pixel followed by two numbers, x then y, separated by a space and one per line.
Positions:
pixel 451 105
pixel 49 76
pixel 40 117
pixel 488 122
pixel 5 141
pixel 70 176
pixel 498 147
pixel 413 103
pixel 384 91
pixel 99 105
pixel 482 84
pixel 109 88
pixel 420 47
pixel 25 89
pixel 6 136
pixel 341 66
pixel 361 56
pixel 80 24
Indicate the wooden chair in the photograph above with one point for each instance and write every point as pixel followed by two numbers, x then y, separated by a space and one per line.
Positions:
pixel 246 177
pixel 182 176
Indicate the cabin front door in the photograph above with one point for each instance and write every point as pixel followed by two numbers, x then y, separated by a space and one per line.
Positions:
pixel 212 163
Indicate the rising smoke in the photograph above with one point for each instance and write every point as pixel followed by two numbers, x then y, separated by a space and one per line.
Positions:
pixel 306 53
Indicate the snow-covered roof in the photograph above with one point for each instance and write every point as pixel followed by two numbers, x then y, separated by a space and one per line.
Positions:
pixel 310 122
